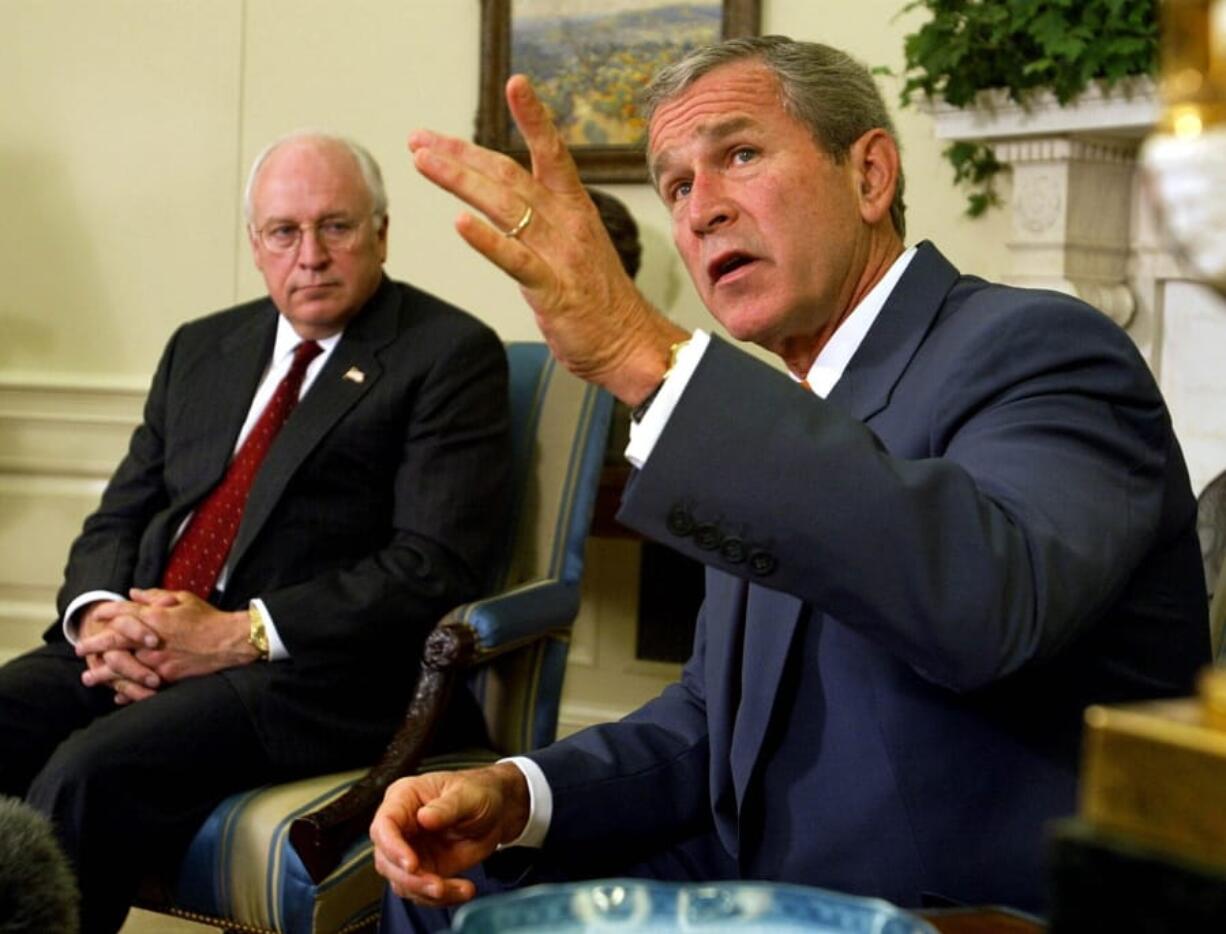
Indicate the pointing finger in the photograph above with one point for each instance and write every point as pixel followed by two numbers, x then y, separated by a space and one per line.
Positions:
pixel 552 164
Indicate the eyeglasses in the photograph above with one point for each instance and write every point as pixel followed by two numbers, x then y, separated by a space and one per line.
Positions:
pixel 335 233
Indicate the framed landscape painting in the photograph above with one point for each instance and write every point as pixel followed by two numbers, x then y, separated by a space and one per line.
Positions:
pixel 588 59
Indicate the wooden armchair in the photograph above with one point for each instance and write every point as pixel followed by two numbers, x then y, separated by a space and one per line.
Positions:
pixel 295 858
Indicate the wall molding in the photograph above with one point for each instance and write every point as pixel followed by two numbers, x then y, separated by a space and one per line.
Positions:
pixel 60 440
pixel 50 426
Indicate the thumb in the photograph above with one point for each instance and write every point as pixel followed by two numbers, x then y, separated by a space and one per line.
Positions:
pixel 460 803
pixel 442 813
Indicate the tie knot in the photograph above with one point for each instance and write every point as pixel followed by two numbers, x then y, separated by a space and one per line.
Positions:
pixel 304 353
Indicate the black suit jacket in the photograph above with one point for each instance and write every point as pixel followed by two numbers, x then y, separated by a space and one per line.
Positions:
pixel 379 505
pixel 913 590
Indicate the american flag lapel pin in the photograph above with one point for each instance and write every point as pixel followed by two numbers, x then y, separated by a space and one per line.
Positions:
pixel 354 375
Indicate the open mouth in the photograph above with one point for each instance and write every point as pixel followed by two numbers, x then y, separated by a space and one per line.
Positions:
pixel 727 264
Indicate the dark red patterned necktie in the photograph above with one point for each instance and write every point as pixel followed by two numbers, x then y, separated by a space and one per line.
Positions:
pixel 197 557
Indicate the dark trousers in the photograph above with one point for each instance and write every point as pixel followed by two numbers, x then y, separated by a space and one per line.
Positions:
pixel 125 787
pixel 697 859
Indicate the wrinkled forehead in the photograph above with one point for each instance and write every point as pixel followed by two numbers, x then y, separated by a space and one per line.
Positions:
pixel 725 100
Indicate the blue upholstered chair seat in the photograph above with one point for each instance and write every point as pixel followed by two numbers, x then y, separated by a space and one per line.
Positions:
pixel 242 873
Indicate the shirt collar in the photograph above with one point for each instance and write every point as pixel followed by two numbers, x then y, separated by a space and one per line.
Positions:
pixel 288 339
pixel 846 340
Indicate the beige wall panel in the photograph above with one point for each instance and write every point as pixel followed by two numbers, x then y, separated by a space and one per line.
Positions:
pixel 117 170
pixel 58 444
pixel 66 430
pixel 22 626
pixel 40 517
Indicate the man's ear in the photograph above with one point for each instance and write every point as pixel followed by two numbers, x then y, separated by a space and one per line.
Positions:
pixel 381 237
pixel 254 240
pixel 875 160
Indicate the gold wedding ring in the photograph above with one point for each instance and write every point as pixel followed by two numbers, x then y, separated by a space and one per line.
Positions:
pixel 521 226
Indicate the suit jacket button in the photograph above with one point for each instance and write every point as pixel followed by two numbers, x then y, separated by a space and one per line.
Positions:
pixel 707 537
pixel 733 550
pixel 762 563
pixel 680 522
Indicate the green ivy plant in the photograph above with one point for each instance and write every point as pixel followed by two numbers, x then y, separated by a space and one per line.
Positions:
pixel 1022 45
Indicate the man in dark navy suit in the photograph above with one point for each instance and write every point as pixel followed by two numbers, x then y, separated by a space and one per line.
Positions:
pixel 311 488
pixel 960 517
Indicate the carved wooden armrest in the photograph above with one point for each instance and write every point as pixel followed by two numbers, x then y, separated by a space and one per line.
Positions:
pixel 321 837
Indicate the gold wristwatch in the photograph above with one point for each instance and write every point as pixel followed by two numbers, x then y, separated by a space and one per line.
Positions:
pixel 257 635
pixel 637 413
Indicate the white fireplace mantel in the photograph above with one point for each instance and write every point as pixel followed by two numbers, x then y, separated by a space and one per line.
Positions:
pixel 1081 223
pixel 1129 109
pixel 1073 173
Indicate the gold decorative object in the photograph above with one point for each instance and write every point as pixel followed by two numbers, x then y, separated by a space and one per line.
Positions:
pixel 1155 773
pixel 1193 62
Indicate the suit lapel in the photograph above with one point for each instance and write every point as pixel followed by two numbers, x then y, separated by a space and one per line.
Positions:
pixel 770 624
pixel 333 393
pixel 863 391
pixel 219 403
pixel 908 313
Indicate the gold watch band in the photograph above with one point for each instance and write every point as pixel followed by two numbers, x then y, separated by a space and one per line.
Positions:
pixel 637 413
pixel 257 635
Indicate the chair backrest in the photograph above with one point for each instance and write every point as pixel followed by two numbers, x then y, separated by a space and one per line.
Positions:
pixel 559 427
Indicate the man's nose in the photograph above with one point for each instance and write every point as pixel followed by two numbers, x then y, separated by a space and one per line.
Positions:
pixel 710 204
pixel 311 251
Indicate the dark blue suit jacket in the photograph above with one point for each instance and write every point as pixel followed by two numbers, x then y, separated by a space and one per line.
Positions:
pixel 913 590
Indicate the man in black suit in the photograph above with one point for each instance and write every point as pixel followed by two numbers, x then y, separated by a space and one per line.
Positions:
pixel 175 678
pixel 961 518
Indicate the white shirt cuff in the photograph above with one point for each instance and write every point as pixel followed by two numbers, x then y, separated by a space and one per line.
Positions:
pixel 276 648
pixel 540 804
pixel 644 434
pixel 69 624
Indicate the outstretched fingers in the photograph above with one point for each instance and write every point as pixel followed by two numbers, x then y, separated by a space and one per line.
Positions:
pixel 497 188
pixel 552 164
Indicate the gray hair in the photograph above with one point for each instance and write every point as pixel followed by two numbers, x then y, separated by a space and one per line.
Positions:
pixel 825 89
pixel 367 165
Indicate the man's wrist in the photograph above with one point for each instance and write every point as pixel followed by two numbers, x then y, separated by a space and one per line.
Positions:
pixel 74 615
pixel 531 782
pixel 646 430
pixel 637 413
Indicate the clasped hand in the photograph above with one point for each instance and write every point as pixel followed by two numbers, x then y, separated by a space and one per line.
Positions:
pixel 156 637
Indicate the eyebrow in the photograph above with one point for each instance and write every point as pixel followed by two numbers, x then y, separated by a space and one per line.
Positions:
pixel 287 219
pixel 712 132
